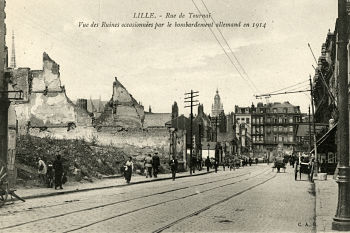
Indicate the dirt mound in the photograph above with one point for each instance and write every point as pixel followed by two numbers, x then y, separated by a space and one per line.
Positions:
pixel 92 160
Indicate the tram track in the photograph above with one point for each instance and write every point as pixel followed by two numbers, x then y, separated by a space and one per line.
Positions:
pixel 140 197
pixel 180 198
pixel 210 206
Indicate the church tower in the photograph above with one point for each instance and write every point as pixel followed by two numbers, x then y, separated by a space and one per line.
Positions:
pixel 217 107
pixel 13 54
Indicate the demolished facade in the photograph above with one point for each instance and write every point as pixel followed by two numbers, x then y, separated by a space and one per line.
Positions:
pixel 45 103
pixel 124 113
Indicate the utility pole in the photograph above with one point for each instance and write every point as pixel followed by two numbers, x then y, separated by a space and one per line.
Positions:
pixel 190 99
pixel 341 221
pixel 313 126
pixel 4 102
pixel 310 140
pixel 216 129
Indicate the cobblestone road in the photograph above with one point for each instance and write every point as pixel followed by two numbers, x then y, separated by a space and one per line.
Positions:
pixel 252 199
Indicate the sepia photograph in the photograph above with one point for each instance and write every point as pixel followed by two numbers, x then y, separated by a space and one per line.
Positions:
pixel 174 116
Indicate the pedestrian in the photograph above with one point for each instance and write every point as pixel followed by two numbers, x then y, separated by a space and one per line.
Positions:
pixel 207 163
pixel 296 170
pixel 256 161
pixel 216 165
pixel 155 164
pixel 49 175
pixel 58 167
pixel 148 166
pixel 173 166
pixel 42 169
pixel 200 164
pixel 250 161
pixel 231 164
pixel 193 164
pixel 129 167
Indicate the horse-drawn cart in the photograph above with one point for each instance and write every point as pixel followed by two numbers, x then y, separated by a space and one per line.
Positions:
pixel 279 163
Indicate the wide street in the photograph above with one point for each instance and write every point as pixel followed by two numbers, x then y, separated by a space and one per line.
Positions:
pixel 250 199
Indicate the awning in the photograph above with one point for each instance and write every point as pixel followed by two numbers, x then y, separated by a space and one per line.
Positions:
pixel 324 137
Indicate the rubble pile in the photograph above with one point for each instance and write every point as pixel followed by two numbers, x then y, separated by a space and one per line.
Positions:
pixel 76 154
pixel 90 159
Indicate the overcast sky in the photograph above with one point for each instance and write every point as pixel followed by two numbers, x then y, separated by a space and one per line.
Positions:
pixel 158 66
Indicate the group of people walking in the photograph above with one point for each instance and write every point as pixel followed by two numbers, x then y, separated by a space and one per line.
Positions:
pixel 151 167
pixel 152 163
pixel 52 174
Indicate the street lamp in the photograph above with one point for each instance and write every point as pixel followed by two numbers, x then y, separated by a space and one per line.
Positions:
pixel 341 221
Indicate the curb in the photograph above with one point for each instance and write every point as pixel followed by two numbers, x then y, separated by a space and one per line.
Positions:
pixel 107 187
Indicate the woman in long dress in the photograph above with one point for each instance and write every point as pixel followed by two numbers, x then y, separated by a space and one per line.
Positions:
pixel 129 166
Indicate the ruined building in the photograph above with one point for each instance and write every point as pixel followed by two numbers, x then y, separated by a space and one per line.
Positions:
pixel 123 112
pixel 45 103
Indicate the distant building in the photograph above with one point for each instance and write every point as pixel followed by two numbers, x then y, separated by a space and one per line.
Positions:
pixel 260 129
pixel 242 127
pixel 275 124
pixel 217 107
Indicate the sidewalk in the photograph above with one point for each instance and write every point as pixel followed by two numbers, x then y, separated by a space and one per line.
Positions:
pixel 71 187
pixel 326 203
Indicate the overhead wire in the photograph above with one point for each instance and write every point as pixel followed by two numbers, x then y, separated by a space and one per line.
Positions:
pixel 294 85
pixel 216 38
pixel 229 47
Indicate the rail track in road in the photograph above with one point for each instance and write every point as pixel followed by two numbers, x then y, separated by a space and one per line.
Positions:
pixel 210 206
pixel 176 199
pixel 144 196
pixel 163 192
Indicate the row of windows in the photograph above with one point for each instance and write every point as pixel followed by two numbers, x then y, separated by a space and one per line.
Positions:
pixel 257 129
pixel 277 138
pixel 247 120
pixel 279 129
pixel 260 120
pixel 280 138
pixel 267 110
pixel 260 129
pixel 258 139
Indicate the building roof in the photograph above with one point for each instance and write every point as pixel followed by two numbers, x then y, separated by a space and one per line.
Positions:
pixel 156 119
pixel 180 122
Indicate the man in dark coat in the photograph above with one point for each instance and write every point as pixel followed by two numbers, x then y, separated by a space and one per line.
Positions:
pixel 173 166
pixel 58 167
pixel 216 165
pixel 193 164
pixel 207 163
pixel 155 164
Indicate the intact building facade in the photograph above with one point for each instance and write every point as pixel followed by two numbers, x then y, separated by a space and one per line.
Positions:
pixel 242 127
pixel 266 128
pixel 275 127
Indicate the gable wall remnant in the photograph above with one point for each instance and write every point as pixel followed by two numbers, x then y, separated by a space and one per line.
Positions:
pixel 47 104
